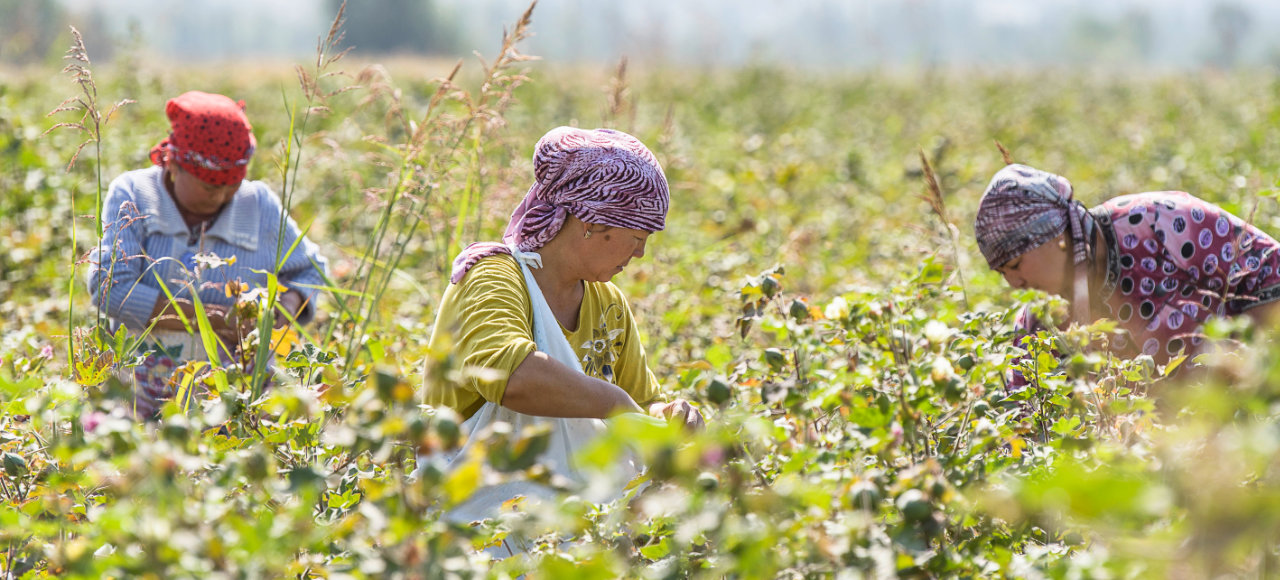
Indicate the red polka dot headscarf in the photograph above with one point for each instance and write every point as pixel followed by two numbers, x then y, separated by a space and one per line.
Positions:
pixel 600 176
pixel 211 138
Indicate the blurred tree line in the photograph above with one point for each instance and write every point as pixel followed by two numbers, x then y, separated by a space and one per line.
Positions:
pixel 37 31
pixel 29 29
pixel 397 26
pixel 860 33
pixel 34 31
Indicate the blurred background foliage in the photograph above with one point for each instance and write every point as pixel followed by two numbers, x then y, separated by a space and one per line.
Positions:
pixel 1168 35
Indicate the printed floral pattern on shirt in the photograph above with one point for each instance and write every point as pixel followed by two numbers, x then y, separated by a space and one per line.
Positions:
pixel 601 352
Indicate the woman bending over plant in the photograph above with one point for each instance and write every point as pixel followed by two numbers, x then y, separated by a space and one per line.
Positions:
pixel 191 223
pixel 1159 263
pixel 540 311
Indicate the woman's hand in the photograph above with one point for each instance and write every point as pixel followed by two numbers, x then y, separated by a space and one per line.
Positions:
pixel 291 301
pixel 681 411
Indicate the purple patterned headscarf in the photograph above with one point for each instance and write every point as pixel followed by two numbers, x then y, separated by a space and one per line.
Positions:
pixel 1022 209
pixel 603 177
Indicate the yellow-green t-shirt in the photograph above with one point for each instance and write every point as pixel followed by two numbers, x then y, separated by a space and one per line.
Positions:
pixel 486 320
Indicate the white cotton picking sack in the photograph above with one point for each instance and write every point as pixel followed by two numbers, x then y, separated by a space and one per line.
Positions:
pixel 568 436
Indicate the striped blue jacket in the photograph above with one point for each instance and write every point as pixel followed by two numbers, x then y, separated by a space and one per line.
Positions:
pixel 146 243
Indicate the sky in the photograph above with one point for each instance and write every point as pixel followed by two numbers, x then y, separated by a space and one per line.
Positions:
pixel 1164 34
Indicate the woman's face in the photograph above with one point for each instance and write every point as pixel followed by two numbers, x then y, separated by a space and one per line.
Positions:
pixel 1043 268
pixel 197 197
pixel 609 250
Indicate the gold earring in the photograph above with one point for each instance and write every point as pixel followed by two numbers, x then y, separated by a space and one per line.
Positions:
pixel 587 235
pixel 1062 244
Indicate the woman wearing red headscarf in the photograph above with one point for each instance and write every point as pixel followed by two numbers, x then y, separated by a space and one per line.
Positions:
pixel 192 223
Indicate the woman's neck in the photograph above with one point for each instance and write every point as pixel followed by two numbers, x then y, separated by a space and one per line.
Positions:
pixel 562 288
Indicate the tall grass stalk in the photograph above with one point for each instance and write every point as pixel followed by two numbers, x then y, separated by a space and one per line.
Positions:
pixel 90 126
pixel 328 53
pixel 619 102
pixel 426 159
pixel 939 206
pixel 1005 154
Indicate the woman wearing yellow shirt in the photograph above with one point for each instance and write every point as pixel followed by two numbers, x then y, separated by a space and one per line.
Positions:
pixel 540 310
pixel 597 197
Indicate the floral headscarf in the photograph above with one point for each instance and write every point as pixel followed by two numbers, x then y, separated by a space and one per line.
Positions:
pixel 600 176
pixel 211 138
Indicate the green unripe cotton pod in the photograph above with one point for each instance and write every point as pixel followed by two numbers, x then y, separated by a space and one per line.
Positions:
pixel 951 389
pixel 255 466
pixel 708 481
pixel 799 310
pixel 15 465
pixel 1078 366
pixel 865 495
pixel 718 392
pixel 775 358
pixel 965 363
pixel 938 489
pixel 385 383
pixel 770 286
pixel 914 505
pixel 448 430
pixel 176 432
pixel 417 428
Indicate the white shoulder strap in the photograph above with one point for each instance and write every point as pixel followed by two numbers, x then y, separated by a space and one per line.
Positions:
pixel 546 329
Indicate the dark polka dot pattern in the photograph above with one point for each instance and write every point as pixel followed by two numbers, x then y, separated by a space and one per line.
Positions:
pixel 1177 257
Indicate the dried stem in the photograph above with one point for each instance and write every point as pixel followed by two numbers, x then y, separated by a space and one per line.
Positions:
pixel 618 93
pixel 432 151
pixel 1005 154
pixel 90 126
pixel 939 206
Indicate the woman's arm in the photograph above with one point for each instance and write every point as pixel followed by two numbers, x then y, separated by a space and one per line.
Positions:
pixel 1265 315
pixel 165 316
pixel 119 264
pixel 544 387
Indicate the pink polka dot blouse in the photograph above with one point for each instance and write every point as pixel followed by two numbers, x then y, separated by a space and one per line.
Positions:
pixel 1172 261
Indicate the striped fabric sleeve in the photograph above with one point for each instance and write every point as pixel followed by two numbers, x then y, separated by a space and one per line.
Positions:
pixel 117 266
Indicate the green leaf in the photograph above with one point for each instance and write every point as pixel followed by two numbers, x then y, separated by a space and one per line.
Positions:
pixel 658 550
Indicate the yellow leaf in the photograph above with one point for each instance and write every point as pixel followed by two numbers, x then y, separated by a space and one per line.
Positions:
pixel 1015 445
pixel 514 504
pixel 700 365
pixel 463 481
pixel 282 340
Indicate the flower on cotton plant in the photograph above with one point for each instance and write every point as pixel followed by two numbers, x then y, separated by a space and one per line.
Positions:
pixel 837 309
pixel 941 370
pixel 937 332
